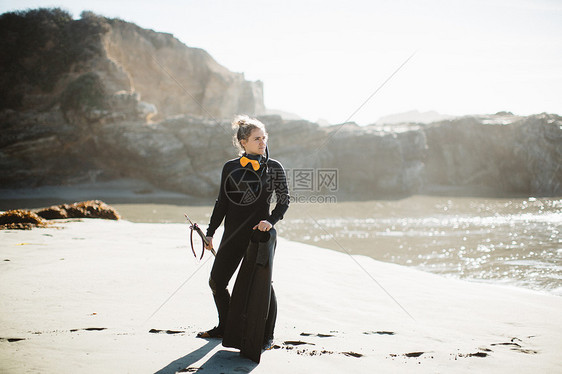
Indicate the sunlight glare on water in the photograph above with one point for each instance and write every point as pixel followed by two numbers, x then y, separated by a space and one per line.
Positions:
pixel 511 241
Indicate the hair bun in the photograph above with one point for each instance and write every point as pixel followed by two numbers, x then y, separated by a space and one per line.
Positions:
pixel 241 121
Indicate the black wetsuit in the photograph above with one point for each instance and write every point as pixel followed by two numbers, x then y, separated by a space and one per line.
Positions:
pixel 243 202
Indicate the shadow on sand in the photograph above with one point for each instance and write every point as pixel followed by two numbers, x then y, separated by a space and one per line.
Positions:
pixel 221 362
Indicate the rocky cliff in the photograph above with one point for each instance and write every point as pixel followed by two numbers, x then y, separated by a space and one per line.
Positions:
pixel 496 155
pixel 186 153
pixel 507 154
pixel 77 116
pixel 45 51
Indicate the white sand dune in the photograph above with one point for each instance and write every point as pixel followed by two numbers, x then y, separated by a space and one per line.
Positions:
pixel 87 297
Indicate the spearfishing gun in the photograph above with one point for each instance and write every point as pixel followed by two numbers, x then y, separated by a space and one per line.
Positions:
pixel 195 227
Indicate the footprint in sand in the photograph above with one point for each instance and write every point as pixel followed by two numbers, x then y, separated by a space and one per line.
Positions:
pixel 476 354
pixel 414 354
pixel 516 346
pixel 171 332
pixel 296 342
pixel 317 335
pixel 90 329
pixel 290 344
pixel 410 354
pixel 11 340
pixel 352 354
pixel 379 333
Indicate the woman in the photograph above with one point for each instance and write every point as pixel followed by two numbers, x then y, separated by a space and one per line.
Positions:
pixel 246 189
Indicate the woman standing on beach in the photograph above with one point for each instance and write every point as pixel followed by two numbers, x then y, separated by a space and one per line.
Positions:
pixel 246 189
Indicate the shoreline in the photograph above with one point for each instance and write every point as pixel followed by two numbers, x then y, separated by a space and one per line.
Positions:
pixel 168 207
pixel 128 190
pixel 80 296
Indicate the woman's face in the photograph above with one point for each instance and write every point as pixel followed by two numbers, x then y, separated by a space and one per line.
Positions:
pixel 256 142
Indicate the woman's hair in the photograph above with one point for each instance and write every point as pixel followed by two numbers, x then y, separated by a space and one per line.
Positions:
pixel 244 126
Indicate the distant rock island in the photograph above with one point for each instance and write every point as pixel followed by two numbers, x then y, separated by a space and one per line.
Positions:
pixel 99 99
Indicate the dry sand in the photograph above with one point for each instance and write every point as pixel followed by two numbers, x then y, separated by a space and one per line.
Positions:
pixel 86 297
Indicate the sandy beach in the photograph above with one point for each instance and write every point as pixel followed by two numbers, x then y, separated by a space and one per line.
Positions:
pixel 93 296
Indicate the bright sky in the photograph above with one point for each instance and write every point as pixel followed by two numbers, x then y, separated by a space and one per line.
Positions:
pixel 324 58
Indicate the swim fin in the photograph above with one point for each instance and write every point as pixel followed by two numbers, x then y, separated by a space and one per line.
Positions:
pixel 250 302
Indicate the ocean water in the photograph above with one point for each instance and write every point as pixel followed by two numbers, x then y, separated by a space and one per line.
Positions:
pixel 509 241
pixel 512 241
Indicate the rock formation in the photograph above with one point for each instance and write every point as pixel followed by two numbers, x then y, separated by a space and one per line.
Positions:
pixel 497 155
pixel 20 220
pixel 82 209
pixel 24 219
pixel 78 117
pixel 506 154
pixel 175 78
pixel 45 51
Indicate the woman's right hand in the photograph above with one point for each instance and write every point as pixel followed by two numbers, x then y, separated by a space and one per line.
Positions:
pixel 210 245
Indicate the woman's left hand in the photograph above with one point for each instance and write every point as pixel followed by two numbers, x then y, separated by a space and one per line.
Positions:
pixel 263 226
